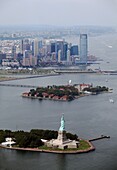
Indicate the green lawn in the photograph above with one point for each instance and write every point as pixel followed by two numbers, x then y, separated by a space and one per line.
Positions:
pixel 83 145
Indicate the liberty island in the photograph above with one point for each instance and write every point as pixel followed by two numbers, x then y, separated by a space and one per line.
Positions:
pixel 60 145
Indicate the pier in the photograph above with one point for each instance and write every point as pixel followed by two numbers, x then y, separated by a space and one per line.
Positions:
pixel 20 78
pixel 89 71
pixel 98 138
pixel 18 85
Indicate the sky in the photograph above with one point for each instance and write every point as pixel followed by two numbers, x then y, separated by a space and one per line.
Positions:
pixel 58 12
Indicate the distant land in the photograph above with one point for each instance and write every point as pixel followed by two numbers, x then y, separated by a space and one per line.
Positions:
pixel 74 29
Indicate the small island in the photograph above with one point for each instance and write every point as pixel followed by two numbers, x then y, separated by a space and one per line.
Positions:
pixel 45 141
pixel 64 92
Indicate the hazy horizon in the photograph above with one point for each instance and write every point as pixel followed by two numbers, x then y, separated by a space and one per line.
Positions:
pixel 59 12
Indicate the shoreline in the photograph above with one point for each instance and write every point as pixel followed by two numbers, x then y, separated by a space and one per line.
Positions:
pixel 43 98
pixel 91 148
pixel 2 79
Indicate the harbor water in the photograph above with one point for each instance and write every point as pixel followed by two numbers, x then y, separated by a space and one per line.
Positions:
pixel 88 117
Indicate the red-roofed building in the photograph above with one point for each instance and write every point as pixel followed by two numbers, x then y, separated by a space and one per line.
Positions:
pixel 65 98
pixel 45 95
pixel 51 96
pixel 81 87
pixel 56 97
pixel 25 94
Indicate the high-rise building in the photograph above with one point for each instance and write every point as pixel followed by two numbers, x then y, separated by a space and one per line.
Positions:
pixel 36 47
pixel 27 47
pixel 2 56
pixel 25 54
pixel 29 59
pixel 65 48
pixel 53 47
pixel 57 45
pixel 32 47
pixel 59 56
pixel 68 56
pixel 74 50
pixel 33 60
pixel 83 48
pixel 40 44
pixel 60 47
pixel 14 51
pixel 26 62
pixel 22 46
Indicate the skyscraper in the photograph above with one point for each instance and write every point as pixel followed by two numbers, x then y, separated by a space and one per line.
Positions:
pixel 74 50
pixel 22 46
pixel 14 51
pixel 68 56
pixel 59 56
pixel 83 48
pixel 65 49
pixel 57 45
pixel 36 47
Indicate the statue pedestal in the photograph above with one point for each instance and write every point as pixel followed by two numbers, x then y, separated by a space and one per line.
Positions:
pixel 61 136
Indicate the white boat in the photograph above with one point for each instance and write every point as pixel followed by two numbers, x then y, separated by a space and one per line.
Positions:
pixel 111 100
pixel 106 80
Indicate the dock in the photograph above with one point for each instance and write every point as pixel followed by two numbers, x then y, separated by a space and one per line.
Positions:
pixel 18 85
pixel 98 138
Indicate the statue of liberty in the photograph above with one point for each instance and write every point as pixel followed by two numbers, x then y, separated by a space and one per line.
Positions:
pixel 62 127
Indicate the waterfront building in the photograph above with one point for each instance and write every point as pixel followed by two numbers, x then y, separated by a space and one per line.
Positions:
pixel 62 142
pixel 83 48
pixel 8 142
pixel 10 62
pixel 81 87
pixel 33 60
pixel 26 62
pixel 53 56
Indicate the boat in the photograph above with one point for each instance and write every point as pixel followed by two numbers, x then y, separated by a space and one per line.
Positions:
pixel 111 100
pixel 106 80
